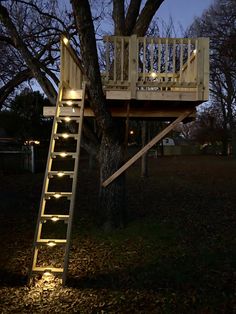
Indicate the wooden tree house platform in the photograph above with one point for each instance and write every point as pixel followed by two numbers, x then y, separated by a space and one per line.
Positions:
pixel 157 77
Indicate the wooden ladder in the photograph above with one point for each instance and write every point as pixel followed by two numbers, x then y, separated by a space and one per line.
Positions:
pixel 54 217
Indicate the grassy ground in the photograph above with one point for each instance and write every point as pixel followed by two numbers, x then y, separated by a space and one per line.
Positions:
pixel 176 255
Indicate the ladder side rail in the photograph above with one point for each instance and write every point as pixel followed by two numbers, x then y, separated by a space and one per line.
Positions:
pixel 46 181
pixel 74 187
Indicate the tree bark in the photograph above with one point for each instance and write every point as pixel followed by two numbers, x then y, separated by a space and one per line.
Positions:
pixel 112 198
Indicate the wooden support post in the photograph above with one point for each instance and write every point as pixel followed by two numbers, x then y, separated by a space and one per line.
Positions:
pixel 133 65
pixel 203 69
pixel 144 164
pixel 156 139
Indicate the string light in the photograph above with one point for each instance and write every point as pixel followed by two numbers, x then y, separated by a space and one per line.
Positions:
pixel 195 51
pixel 67 119
pixel 60 174
pixel 65 135
pixel 153 75
pixel 69 103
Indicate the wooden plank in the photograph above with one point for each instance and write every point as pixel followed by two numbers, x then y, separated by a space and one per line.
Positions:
pixel 144 57
pixel 166 95
pixel 181 60
pixel 121 112
pixel 122 60
pixel 145 148
pixel 72 94
pixel 174 56
pixel 107 60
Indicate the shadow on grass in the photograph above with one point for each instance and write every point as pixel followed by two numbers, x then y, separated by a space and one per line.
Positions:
pixel 203 273
pixel 11 279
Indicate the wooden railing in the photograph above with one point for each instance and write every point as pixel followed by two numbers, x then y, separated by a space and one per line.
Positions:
pixel 71 70
pixel 146 63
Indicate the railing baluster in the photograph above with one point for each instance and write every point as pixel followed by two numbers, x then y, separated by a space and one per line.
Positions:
pixel 114 59
pixel 189 63
pixel 159 56
pixel 152 54
pixel 107 59
pixel 166 59
pixel 174 56
pixel 181 59
pixel 144 57
pixel 122 59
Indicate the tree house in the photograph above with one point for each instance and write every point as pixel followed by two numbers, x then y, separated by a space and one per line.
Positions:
pixel 142 78
pixel 158 77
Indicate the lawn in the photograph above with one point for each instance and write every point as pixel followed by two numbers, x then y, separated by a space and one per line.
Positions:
pixel 176 255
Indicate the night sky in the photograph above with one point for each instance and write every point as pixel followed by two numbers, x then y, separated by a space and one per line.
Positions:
pixel 183 11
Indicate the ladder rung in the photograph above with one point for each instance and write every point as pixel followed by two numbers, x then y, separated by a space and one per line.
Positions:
pixel 67 119
pixel 60 174
pixel 50 242
pixel 70 103
pixel 54 270
pixel 65 136
pixel 64 154
pixel 54 217
pixel 57 195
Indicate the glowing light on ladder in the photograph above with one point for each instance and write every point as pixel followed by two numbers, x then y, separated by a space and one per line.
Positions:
pixel 65 135
pixel 69 103
pixel 57 195
pixel 67 119
pixel 55 219
pixel 195 51
pixel 65 40
pixel 63 154
pixel 51 244
pixel 60 174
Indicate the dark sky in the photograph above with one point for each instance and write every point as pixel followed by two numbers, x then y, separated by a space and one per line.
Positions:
pixel 183 11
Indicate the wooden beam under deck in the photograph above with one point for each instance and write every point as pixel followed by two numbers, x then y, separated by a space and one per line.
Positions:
pixel 121 112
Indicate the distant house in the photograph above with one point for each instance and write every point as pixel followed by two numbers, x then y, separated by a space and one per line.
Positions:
pixel 167 141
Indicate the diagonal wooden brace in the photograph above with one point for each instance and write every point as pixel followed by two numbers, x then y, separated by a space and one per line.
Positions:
pixel 156 139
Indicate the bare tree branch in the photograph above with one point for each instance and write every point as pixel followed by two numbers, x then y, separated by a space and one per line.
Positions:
pixel 132 15
pixel 119 16
pixel 146 16
pixel 13 83
pixel 32 63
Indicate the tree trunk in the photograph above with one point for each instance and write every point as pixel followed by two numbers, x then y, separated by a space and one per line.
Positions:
pixel 144 162
pixel 112 207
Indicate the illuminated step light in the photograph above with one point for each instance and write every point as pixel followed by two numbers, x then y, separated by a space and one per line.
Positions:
pixel 63 154
pixel 73 109
pixel 67 119
pixel 195 51
pixel 51 244
pixel 60 174
pixel 54 219
pixel 153 75
pixel 65 40
pixel 69 103
pixel 47 274
pixel 57 195
pixel 65 135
